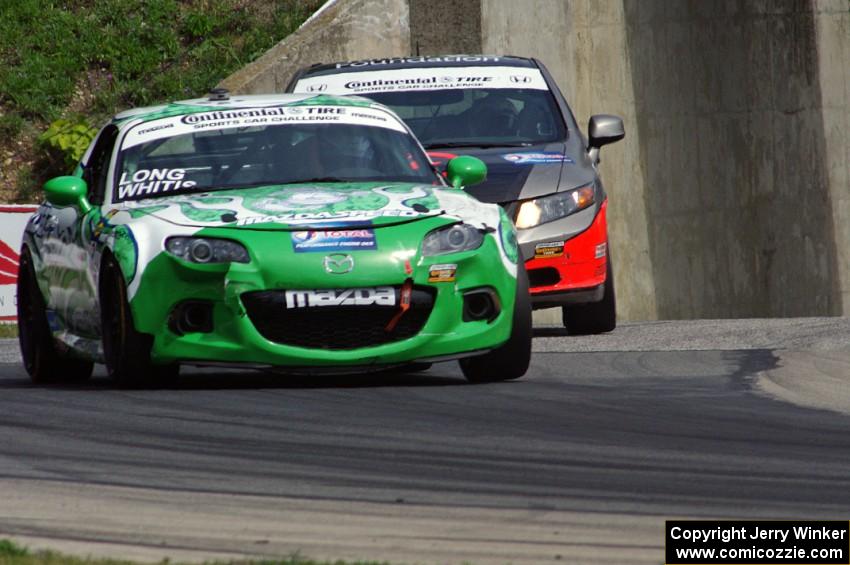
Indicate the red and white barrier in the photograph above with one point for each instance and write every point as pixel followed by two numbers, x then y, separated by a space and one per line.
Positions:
pixel 13 219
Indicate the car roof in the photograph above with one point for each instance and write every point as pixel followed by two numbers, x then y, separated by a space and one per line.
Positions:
pixel 392 63
pixel 235 102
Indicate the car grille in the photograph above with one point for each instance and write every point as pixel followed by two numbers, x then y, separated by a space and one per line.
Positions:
pixel 335 327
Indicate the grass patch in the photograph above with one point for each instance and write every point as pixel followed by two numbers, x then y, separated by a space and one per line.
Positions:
pixel 96 57
pixel 11 549
pixel 13 554
pixel 6 331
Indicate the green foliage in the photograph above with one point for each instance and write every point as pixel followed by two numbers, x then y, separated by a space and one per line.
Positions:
pixel 8 331
pixel 67 141
pixel 27 186
pixel 132 46
pixel 97 57
pixel 11 549
pixel 11 125
pixel 12 554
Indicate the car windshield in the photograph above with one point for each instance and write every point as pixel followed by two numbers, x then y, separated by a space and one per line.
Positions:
pixel 477 117
pixel 256 147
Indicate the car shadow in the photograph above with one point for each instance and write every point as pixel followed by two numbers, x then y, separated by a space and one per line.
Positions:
pixel 550 331
pixel 205 380
pixel 443 374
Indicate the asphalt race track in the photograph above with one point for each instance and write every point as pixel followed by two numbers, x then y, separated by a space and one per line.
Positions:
pixel 581 461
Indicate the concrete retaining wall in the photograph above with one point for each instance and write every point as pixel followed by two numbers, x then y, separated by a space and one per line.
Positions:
pixel 729 195
pixel 341 31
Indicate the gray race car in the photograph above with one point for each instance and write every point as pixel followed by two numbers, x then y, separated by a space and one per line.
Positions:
pixel 509 112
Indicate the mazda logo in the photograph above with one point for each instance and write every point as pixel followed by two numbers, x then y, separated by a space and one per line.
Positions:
pixel 517 78
pixel 339 263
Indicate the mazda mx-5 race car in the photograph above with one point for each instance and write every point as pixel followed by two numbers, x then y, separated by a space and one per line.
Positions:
pixel 509 112
pixel 295 232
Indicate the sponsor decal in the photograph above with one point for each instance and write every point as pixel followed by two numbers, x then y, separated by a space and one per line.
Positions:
pixel 415 60
pixel 536 158
pixel 549 249
pixel 334 240
pixel 318 88
pixel 155 128
pixel 381 85
pixel 297 199
pixel 442 273
pixel 412 79
pixel 304 217
pixel 362 85
pixel 219 115
pixel 601 250
pixel 256 117
pixel 378 296
pixel 146 182
pixel 13 220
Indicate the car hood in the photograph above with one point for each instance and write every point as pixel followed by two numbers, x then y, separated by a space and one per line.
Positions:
pixel 305 206
pixel 518 173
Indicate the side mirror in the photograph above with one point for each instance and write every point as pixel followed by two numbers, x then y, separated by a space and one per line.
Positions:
pixel 68 191
pixel 603 129
pixel 466 170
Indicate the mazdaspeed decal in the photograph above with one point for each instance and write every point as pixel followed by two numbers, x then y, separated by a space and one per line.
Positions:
pixel 334 240
pixel 536 158
pixel 378 296
pixel 400 80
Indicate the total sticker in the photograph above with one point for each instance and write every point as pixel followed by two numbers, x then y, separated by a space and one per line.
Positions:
pixel 549 249
pixel 442 273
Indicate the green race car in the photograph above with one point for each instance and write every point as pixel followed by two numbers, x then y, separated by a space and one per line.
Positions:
pixel 300 233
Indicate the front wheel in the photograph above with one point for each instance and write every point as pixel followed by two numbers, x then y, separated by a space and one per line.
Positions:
pixel 42 359
pixel 511 360
pixel 594 317
pixel 127 352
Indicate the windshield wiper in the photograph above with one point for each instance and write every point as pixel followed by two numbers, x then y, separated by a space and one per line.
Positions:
pixel 479 144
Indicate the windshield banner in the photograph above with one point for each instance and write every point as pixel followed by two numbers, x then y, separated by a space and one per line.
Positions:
pixel 401 80
pixel 262 117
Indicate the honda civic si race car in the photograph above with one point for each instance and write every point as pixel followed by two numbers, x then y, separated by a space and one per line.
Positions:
pixel 295 232
pixel 509 112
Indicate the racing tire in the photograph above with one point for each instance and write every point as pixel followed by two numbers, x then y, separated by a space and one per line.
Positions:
pixel 43 361
pixel 127 352
pixel 593 317
pixel 511 360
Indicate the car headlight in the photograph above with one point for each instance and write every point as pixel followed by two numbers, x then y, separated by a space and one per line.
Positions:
pixel 508 234
pixel 451 239
pixel 549 208
pixel 207 250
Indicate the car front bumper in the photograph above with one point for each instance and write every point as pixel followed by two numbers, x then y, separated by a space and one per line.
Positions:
pixel 566 268
pixel 236 340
